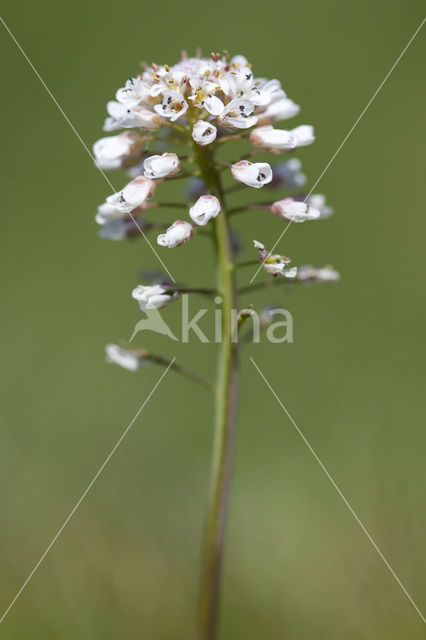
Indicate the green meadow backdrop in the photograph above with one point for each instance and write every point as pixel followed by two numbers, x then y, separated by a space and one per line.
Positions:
pixel 298 566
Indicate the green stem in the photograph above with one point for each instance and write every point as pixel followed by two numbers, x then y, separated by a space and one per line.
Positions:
pixel 225 422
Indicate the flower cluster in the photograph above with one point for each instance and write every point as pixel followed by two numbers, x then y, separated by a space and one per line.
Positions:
pixel 169 120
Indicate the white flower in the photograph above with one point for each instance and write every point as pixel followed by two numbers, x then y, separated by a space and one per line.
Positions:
pixel 151 297
pixel 161 166
pixel 269 138
pixel 273 263
pixel 173 106
pixel 140 116
pixel 126 359
pixel 133 194
pixel 204 133
pixel 280 268
pixel 238 114
pixel 133 92
pixel 289 174
pixel 313 208
pixel 177 234
pixel 203 96
pixel 166 79
pixel 279 109
pixel 115 112
pixel 304 135
pixel 111 152
pixel 307 273
pixel 252 174
pixel 206 208
pixel 318 201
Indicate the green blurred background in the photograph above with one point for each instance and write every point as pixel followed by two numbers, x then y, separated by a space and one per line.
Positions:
pixel 297 564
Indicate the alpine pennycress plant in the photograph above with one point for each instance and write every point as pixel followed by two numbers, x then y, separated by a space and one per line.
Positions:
pixel 198 105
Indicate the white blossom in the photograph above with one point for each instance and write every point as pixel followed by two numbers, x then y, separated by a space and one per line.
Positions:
pixel 252 174
pixel 140 116
pixel 269 138
pixel 204 133
pixel 304 135
pixel 318 201
pixel 203 96
pixel 161 166
pixel 280 268
pixel 313 208
pixel 116 111
pixel 151 297
pixel 112 151
pixel 238 114
pixel 133 92
pixel 124 358
pixel 133 194
pixel 206 208
pixel 308 273
pixel 274 263
pixel 178 233
pixel 280 108
pixel 173 106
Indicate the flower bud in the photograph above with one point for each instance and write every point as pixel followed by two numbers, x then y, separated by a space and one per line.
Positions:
pixel 288 174
pixel 274 139
pixel 308 273
pixel 111 152
pixel 252 174
pixel 204 133
pixel 151 297
pixel 161 166
pixel 177 234
pixel 127 359
pixel 206 208
pixel 133 194
pixel 313 208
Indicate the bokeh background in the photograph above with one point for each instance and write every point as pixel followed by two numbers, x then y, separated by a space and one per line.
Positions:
pixel 297 564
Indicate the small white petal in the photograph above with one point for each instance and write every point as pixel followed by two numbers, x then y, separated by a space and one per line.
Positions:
pixel 304 135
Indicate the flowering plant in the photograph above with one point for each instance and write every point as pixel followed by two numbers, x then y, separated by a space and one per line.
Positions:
pixel 192 109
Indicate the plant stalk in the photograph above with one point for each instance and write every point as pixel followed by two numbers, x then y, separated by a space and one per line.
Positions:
pixel 225 418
